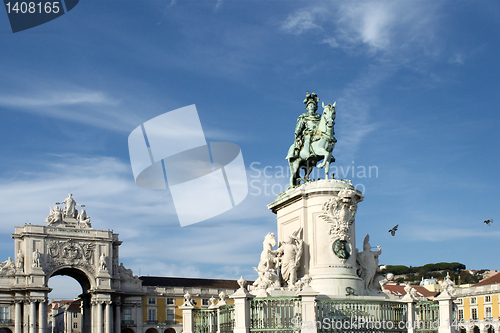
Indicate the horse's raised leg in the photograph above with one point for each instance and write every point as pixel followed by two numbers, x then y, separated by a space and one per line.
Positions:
pixel 321 151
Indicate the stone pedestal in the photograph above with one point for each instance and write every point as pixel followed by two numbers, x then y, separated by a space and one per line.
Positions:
pixel 325 210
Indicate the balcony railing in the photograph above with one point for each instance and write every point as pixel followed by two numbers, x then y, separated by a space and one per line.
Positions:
pixel 128 323
pixel 6 321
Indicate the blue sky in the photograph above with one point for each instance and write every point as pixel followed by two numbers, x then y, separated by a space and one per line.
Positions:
pixel 416 85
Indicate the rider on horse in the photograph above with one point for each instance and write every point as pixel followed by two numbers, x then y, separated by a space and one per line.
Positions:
pixel 306 126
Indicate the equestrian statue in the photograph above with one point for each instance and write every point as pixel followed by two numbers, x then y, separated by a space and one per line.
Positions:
pixel 314 140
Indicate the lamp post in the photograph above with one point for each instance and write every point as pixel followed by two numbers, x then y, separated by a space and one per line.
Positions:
pixel 161 325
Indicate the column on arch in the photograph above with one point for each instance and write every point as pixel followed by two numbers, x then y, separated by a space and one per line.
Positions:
pixel 100 319
pixel 18 322
pixel 109 317
pixel 118 315
pixel 93 316
pixel 42 316
pixel 33 316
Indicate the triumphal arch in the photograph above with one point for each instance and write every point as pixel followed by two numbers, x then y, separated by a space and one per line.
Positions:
pixel 68 245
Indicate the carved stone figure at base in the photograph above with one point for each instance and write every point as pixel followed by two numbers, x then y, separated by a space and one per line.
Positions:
pixel 368 264
pixel 290 253
pixel 266 269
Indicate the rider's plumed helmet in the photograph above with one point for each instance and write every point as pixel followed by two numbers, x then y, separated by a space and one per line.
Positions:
pixel 311 98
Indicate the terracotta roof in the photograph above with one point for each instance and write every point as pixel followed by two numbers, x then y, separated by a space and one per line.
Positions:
pixel 400 290
pixel 491 280
pixel 189 282
pixel 74 306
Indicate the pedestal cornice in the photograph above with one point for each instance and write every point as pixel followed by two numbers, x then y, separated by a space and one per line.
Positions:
pixel 319 187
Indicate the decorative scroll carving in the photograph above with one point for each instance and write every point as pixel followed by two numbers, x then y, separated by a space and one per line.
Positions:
pixel 340 212
pixel 71 253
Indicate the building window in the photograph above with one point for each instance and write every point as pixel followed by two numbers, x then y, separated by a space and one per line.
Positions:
pixel 4 312
pixel 473 300
pixel 151 300
pixel 127 314
pixel 459 301
pixel 170 301
pixel 170 315
pixel 151 314
pixel 204 301
pixel 75 314
pixel 460 314
pixel 488 312
pixel 474 313
pixel 75 325
pixel 487 299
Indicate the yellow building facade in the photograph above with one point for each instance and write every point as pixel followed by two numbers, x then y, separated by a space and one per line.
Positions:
pixel 162 297
pixel 478 306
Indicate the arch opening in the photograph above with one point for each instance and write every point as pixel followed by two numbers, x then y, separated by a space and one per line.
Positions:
pixel 84 318
pixel 127 330
pixel 80 276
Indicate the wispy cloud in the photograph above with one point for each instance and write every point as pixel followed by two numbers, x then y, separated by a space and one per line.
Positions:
pixel 457 58
pixel 61 98
pixel 390 27
pixel 302 21
pixel 94 107
pixel 218 3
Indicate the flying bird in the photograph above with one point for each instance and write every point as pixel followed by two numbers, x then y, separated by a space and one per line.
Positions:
pixel 488 222
pixel 393 230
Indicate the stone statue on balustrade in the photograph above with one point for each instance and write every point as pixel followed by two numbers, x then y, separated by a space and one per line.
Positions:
pixel 267 268
pixel 448 285
pixel 20 261
pixel 103 265
pixel 36 259
pixel 368 265
pixel 289 254
pixel 314 140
